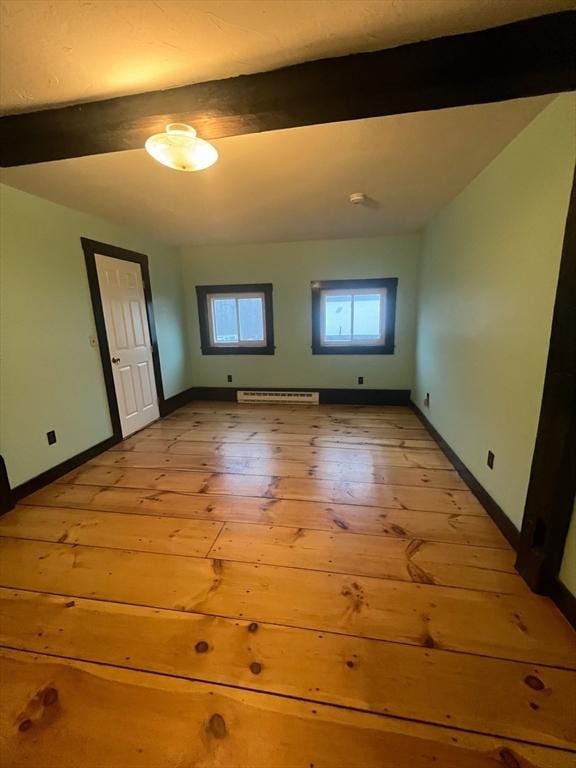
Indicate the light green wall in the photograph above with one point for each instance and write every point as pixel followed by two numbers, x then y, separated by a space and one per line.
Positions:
pixel 488 278
pixel 50 377
pixel 568 569
pixel 291 267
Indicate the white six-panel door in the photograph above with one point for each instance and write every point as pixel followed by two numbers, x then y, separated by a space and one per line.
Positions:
pixel 128 336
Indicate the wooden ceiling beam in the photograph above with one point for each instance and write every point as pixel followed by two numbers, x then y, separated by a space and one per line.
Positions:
pixel 526 58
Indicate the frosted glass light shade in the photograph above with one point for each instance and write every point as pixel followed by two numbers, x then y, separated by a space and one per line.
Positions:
pixel 180 148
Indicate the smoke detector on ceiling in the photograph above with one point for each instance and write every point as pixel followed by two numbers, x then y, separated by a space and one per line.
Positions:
pixel 358 198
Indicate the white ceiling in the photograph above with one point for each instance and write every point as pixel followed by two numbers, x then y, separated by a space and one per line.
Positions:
pixel 61 51
pixel 293 184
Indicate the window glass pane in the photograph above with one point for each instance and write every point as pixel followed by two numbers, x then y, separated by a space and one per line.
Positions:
pixel 367 316
pixel 337 318
pixel 251 316
pixel 224 321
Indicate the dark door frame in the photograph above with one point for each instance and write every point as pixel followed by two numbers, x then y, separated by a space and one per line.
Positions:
pixel 552 485
pixel 91 248
pixel 6 496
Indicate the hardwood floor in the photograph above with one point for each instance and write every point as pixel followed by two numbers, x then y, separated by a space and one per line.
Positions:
pixel 275 587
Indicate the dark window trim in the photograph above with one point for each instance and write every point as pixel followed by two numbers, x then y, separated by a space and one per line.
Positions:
pixel 391 285
pixel 91 248
pixel 202 293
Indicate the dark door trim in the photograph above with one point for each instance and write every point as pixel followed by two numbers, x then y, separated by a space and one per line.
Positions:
pixel 552 484
pixel 91 248
pixel 6 495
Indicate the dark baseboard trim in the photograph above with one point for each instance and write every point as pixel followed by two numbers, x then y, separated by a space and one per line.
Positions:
pixel 506 526
pixel 564 600
pixel 365 396
pixel 327 396
pixel 171 404
pixel 6 495
pixel 50 475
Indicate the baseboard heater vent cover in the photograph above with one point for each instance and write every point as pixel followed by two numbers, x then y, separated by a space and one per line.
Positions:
pixel 262 396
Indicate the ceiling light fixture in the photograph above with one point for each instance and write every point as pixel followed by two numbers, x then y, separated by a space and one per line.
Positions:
pixel 180 148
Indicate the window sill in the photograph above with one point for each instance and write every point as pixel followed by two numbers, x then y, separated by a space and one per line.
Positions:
pixel 353 350
pixel 238 350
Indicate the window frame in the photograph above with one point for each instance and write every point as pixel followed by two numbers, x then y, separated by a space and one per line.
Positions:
pixel 236 297
pixel 204 295
pixel 321 287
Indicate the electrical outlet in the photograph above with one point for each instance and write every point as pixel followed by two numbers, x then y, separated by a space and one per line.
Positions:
pixel 360 379
pixel 229 377
pixel 490 460
pixel 51 437
pixel 427 400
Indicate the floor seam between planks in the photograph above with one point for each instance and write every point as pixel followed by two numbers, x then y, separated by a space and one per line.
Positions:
pixel 211 547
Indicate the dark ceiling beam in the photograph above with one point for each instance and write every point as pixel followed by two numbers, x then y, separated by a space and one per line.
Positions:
pixel 526 58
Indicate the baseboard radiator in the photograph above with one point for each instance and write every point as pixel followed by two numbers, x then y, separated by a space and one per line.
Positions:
pixel 262 396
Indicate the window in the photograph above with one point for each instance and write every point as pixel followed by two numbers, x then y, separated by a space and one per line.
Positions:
pixel 236 319
pixel 354 316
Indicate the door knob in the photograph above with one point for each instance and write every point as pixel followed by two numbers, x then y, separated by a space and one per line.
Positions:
pixel 115 359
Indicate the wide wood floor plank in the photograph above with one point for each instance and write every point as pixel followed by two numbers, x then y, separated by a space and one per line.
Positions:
pixel 395 558
pixel 376 457
pixel 289 420
pixel 402 559
pixel 505 626
pixel 352 409
pixel 415 683
pixel 168 480
pixel 281 427
pixel 357 409
pixel 426 478
pixel 368 442
pixel 286 438
pixel 76 713
pixel 119 531
pixel 393 496
pixel 266 486
pixel 477 530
